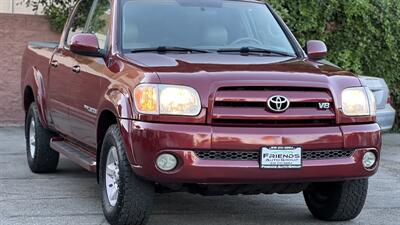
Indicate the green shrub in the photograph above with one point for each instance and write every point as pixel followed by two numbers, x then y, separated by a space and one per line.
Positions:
pixel 362 35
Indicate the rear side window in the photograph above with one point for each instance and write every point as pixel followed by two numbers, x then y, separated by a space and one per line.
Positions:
pixel 78 20
pixel 99 21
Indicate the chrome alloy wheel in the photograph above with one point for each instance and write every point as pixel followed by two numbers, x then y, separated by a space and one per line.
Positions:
pixel 112 176
pixel 32 138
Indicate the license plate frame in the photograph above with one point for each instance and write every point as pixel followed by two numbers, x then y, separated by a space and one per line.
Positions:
pixel 281 157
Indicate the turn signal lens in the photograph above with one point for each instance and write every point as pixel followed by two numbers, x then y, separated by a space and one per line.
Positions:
pixel 371 101
pixel 146 98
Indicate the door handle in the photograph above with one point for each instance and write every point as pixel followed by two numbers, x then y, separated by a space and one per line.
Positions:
pixel 76 69
pixel 54 63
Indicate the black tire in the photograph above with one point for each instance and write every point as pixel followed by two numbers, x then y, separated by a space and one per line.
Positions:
pixel 337 201
pixel 42 159
pixel 135 196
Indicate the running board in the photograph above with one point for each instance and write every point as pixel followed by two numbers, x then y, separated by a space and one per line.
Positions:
pixel 74 153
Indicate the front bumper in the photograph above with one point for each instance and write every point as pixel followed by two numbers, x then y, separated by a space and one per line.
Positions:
pixel 385 117
pixel 145 141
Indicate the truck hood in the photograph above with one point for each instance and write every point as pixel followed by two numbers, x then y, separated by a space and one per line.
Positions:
pixel 209 71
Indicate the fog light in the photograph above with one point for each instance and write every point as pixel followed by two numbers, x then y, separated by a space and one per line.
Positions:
pixel 166 162
pixel 369 160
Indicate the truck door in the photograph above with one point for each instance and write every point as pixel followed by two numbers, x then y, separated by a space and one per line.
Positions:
pixel 59 101
pixel 85 84
pixel 62 72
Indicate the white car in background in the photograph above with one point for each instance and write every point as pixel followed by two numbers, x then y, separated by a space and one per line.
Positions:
pixel 385 113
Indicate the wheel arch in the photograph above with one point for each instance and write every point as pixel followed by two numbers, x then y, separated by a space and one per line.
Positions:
pixel 34 91
pixel 28 98
pixel 114 109
pixel 106 119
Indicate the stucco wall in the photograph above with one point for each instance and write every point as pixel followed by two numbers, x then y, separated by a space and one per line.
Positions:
pixel 15 32
pixel 15 6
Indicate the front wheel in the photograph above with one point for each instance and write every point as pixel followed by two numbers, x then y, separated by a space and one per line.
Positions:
pixel 126 198
pixel 337 201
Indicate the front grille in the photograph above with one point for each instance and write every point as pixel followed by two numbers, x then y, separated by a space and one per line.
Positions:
pixel 277 123
pixel 332 154
pixel 270 88
pixel 254 156
pixel 263 104
pixel 228 155
pixel 247 106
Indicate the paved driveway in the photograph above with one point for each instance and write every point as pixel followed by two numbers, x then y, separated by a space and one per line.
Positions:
pixel 71 196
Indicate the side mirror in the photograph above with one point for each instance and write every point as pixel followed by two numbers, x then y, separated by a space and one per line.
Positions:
pixel 316 50
pixel 85 44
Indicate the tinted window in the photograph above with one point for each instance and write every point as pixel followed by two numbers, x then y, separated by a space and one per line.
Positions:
pixel 100 21
pixel 207 25
pixel 79 20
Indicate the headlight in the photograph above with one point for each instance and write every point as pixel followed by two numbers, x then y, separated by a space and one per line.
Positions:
pixel 358 101
pixel 179 100
pixel 167 100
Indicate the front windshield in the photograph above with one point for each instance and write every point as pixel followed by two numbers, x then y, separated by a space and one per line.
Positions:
pixel 206 25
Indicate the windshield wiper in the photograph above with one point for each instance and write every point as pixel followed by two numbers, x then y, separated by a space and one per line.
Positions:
pixel 169 49
pixel 247 50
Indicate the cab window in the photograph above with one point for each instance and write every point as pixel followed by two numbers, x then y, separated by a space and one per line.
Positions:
pixel 99 21
pixel 78 20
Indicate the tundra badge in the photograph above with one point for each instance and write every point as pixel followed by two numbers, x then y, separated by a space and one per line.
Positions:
pixel 90 109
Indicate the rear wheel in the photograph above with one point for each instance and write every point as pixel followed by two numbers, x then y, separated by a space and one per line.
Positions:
pixel 41 158
pixel 126 198
pixel 337 201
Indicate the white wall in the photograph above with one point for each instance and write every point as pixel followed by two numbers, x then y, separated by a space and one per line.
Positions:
pixel 14 6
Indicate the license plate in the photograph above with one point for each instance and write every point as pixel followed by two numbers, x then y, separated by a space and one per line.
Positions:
pixel 281 158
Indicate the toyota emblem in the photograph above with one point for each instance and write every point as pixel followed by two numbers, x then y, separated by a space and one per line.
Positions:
pixel 278 103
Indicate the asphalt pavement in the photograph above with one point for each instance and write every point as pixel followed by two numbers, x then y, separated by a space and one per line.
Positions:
pixel 72 196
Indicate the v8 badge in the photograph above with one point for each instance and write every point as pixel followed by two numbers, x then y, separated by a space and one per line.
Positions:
pixel 324 105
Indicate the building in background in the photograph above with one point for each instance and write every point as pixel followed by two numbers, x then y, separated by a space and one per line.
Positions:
pixel 18 26
pixel 16 7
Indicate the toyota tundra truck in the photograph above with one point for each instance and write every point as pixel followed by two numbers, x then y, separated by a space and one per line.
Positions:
pixel 211 97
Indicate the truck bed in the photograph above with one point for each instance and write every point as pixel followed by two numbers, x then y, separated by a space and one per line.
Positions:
pixel 36 59
pixel 43 44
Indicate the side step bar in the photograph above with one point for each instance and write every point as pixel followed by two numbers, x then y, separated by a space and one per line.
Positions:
pixel 74 153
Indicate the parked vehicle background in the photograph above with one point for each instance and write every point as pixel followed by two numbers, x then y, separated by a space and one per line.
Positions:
pixel 385 113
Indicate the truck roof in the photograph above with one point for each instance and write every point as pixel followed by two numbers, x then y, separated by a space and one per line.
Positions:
pixel 253 1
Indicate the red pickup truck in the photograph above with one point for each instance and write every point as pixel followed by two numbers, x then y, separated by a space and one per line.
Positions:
pixel 209 97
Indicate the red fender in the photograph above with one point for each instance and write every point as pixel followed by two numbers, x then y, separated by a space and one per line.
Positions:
pixel 119 103
pixel 34 80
